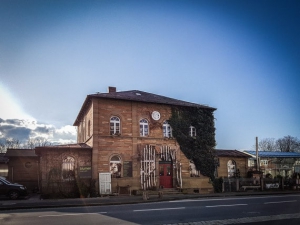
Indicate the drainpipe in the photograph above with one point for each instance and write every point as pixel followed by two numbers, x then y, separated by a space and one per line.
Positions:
pixel 12 174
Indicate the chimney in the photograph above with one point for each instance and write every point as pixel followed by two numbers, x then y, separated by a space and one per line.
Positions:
pixel 112 89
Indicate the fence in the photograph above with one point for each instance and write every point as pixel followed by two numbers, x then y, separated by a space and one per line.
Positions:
pixel 243 184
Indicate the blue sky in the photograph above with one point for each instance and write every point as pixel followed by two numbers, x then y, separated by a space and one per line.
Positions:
pixel 241 57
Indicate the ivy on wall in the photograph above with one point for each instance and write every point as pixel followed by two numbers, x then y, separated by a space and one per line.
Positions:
pixel 199 149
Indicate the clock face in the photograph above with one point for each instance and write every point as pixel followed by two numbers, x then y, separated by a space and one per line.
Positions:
pixel 155 115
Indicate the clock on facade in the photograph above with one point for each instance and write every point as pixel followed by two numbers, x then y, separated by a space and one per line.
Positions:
pixel 155 115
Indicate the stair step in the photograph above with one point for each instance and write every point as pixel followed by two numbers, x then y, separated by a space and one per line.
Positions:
pixel 167 191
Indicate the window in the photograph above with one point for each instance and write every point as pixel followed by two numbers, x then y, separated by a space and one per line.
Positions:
pixel 144 127
pixel 68 168
pixel 167 130
pixel 114 125
pixel 263 162
pixel 4 170
pixel 115 167
pixel 193 170
pixel 192 132
pixel 89 128
pixel 231 166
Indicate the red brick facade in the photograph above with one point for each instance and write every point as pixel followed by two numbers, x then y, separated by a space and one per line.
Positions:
pixel 93 124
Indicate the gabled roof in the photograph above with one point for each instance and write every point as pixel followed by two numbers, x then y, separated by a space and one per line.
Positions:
pixel 269 154
pixel 139 96
pixel 230 153
pixel 20 153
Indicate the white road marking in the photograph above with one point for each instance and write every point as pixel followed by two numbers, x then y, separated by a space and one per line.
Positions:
pixel 144 210
pixel 211 206
pixel 280 202
pixel 246 220
pixel 73 214
pixel 237 198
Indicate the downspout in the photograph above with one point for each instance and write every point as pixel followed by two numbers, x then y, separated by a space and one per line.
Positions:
pixel 257 159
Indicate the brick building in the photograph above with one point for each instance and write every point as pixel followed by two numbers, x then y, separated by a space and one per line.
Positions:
pixel 23 167
pixel 132 143
pixel 285 164
pixel 232 163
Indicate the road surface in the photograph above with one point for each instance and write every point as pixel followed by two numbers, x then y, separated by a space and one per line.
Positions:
pixel 283 209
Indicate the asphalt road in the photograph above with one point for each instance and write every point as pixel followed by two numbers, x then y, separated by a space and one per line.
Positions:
pixel 283 209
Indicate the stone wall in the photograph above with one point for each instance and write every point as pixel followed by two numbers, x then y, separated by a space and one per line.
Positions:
pixel 51 159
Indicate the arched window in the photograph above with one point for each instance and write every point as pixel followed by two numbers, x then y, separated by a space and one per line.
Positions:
pixel 231 166
pixel 68 168
pixel 144 127
pixel 114 125
pixel 115 166
pixel 167 130
pixel 192 131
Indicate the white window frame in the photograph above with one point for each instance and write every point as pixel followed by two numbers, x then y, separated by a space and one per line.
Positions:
pixel 263 162
pixel 231 168
pixel 114 125
pixel 167 130
pixel 144 127
pixel 192 131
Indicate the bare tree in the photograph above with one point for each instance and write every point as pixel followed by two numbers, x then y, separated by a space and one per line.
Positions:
pixel 30 144
pixel 37 142
pixel 2 147
pixel 288 144
pixel 267 144
pixel 9 143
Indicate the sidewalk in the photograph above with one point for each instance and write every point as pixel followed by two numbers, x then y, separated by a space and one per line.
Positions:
pixel 34 201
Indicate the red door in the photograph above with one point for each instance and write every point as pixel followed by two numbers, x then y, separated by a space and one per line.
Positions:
pixel 165 175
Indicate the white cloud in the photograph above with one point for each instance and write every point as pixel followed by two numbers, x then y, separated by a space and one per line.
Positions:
pixel 24 130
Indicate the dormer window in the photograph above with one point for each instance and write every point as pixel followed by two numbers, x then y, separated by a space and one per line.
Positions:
pixel 192 131
pixel 114 125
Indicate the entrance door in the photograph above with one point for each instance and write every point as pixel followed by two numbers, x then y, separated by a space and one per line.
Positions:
pixel 165 175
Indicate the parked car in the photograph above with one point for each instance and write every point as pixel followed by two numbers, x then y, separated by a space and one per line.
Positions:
pixel 13 191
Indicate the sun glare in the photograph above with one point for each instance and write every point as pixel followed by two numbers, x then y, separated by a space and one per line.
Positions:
pixel 10 107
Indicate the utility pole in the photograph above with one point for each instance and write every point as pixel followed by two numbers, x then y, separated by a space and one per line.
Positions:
pixel 257 160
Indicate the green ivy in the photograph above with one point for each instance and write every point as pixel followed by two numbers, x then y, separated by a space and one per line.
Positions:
pixel 199 149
